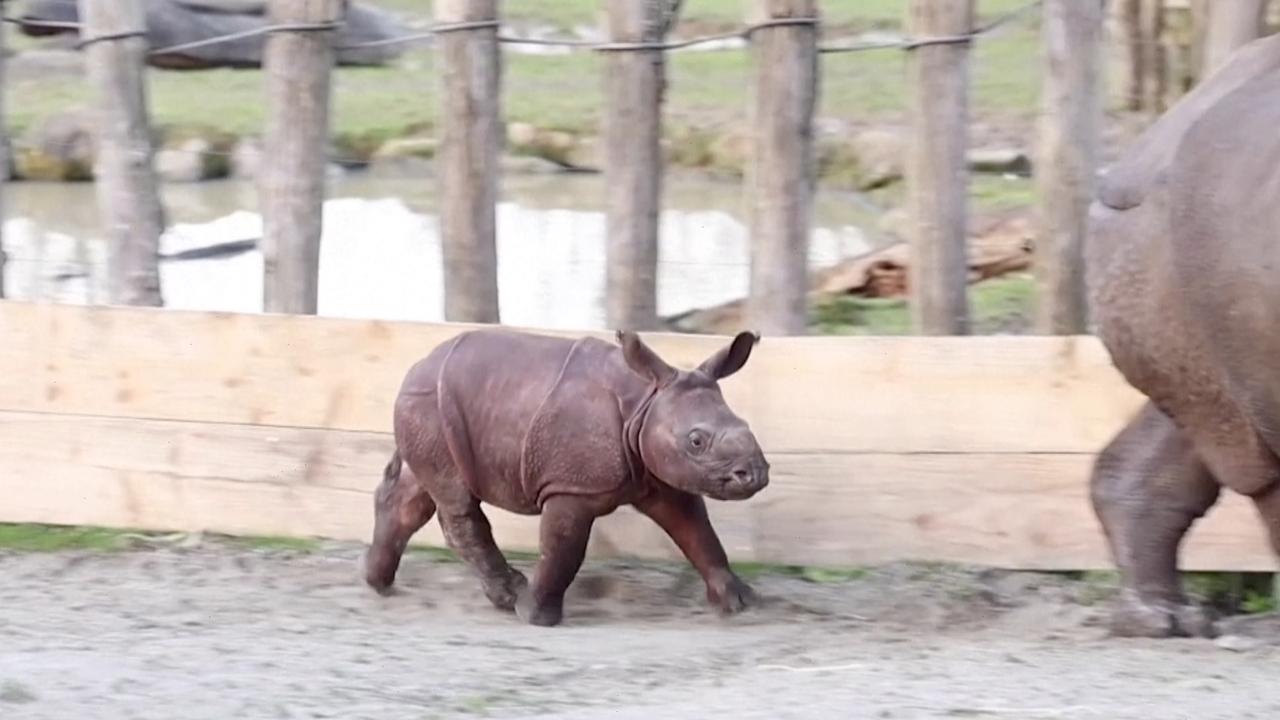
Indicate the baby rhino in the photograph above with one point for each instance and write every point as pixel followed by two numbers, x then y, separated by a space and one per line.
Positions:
pixel 569 430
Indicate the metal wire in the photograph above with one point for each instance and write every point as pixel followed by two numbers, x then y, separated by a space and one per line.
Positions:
pixel 743 33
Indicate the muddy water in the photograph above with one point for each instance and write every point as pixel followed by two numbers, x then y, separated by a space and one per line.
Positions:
pixel 380 254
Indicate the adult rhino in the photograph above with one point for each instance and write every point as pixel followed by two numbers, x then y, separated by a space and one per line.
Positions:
pixel 1183 259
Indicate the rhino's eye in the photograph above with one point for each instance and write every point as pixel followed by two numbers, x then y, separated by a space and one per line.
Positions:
pixel 698 441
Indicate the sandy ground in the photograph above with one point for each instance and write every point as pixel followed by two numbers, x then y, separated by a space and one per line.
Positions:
pixel 215 631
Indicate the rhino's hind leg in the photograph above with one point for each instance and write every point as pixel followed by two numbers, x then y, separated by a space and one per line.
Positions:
pixel 401 507
pixel 684 517
pixel 468 533
pixel 564 531
pixel 1148 487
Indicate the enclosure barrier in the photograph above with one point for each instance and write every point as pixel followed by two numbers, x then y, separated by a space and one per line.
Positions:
pixel 967 450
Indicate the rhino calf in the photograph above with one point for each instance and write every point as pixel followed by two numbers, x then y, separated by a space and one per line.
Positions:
pixel 569 430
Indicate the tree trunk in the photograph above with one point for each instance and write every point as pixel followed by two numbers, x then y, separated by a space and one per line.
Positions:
pixel 1232 23
pixel 1069 125
pixel 937 175
pixel 781 174
pixel 635 81
pixel 298 67
pixel 127 188
pixel 470 124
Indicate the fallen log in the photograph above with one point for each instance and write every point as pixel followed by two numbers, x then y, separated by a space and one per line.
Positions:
pixel 1003 245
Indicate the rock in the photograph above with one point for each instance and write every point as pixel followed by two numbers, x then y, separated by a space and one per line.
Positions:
pixel 1237 643
pixel 880 157
pixel 527 165
pixel 60 148
pixel 246 158
pixel 404 157
pixel 190 160
pixel 999 160
pixel 730 151
pixel 554 145
pixel 521 134
pixel 194 153
pixel 415 147
pixel 586 154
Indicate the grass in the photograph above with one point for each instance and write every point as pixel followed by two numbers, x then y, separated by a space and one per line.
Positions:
pixel 32 538
pixel 999 305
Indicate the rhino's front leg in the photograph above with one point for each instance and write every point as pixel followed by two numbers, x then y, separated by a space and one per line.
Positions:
pixel 564 531
pixel 684 517
pixel 468 533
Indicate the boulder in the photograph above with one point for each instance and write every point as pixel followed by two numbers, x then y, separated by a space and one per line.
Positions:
pixel 194 154
pixel 175 22
pixel 999 160
pixel 246 158
pixel 553 145
pixel 404 157
pixel 880 157
pixel 62 147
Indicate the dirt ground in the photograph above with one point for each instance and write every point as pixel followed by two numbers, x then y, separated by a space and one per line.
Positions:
pixel 211 630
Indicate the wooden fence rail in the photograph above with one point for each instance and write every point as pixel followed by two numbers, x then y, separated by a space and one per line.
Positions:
pixel 972 450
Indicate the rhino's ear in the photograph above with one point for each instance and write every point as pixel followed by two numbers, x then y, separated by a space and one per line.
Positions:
pixel 643 360
pixel 732 357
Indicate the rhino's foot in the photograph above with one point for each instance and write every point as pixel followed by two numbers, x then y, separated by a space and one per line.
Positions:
pixel 543 614
pixel 1137 618
pixel 505 590
pixel 730 595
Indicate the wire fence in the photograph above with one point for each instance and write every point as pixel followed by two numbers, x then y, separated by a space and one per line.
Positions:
pixel 429 33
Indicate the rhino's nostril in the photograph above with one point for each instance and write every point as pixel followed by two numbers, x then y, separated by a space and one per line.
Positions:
pixel 741 476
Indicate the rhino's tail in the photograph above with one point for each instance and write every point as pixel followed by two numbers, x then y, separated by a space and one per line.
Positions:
pixel 391 473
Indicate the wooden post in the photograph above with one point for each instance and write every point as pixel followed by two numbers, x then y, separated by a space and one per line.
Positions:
pixel 781 173
pixel 1127 21
pixel 470 119
pixel 1232 23
pixel 127 188
pixel 632 128
pixel 4 150
pixel 1155 57
pixel 1069 125
pixel 937 176
pixel 298 66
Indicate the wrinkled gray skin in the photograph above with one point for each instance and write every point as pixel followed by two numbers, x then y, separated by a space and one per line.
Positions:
pixel 1183 261
pixel 570 430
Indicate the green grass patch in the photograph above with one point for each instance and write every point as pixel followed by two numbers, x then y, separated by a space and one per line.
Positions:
pixel 32 537
pixel 751 570
pixel 999 305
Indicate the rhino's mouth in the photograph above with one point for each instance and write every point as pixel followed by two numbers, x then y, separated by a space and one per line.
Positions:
pixel 742 481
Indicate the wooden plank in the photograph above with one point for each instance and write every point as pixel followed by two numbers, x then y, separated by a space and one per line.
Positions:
pixel 470 127
pixel 804 394
pixel 127 187
pixel 781 173
pixel 298 65
pixel 937 172
pixel 632 129
pixel 1013 511
pixel 1068 136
